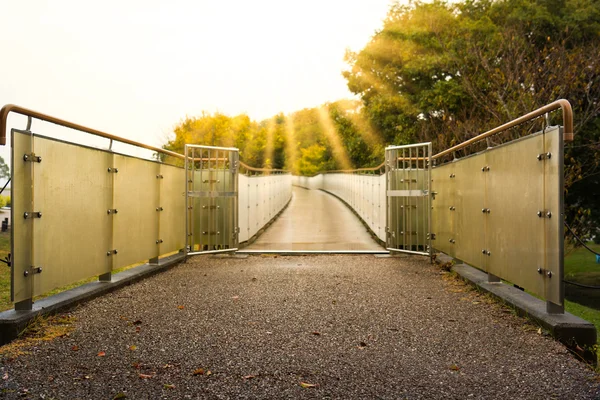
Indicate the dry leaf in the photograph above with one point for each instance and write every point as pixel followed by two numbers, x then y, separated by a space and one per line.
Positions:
pixel 199 371
pixel 454 367
pixel 235 297
pixel 539 331
pixel 145 376
pixel 101 354
pixel 75 348
pixel 136 365
pixel 120 396
pixel 207 373
pixel 169 386
pixel 138 329
pixel 316 333
pixel 132 347
pixel 181 307
pixel 249 376
pixel 308 385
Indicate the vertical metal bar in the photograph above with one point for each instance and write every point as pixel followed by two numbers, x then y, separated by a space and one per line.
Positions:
pixel 429 201
pixel 401 200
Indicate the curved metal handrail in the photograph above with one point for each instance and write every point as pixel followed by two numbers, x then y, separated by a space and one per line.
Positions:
pixel 568 134
pixel 7 109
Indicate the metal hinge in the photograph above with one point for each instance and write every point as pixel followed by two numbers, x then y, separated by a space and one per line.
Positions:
pixel 32 270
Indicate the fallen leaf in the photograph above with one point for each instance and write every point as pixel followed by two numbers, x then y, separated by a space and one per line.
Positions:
pixel 199 371
pixel 119 396
pixel 454 367
pixel 133 347
pixel 308 385
pixel 166 366
pixel 144 376
pixel 235 297
pixel 475 302
pixel 75 348
pixel 539 331
pixel 207 373
pixel 136 365
pixel 169 386
pixel 269 333
pixel 138 329
pixel 316 333
pixel 249 376
pixel 101 354
pixel 137 322
pixel 181 307
pixel 124 318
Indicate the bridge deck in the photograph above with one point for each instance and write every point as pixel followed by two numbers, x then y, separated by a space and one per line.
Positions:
pixel 315 220
pixel 359 327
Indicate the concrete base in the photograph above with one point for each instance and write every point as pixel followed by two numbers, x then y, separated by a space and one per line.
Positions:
pixel 13 322
pixel 576 333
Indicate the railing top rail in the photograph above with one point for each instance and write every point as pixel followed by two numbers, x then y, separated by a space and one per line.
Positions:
pixel 567 114
pixel 253 169
pixel 7 109
pixel 201 146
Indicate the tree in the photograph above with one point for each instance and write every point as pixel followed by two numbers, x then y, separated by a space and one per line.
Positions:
pixel 4 170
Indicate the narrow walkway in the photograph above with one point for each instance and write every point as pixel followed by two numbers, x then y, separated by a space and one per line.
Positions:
pixel 355 327
pixel 315 220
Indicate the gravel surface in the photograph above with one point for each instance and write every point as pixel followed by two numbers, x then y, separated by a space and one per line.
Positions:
pixel 357 327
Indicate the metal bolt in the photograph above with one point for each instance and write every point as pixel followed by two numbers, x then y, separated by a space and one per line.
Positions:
pixel 39 214
pixel 26 273
pixel 482 169
pixel 539 270
pixel 25 158
pixel 26 215
pixel 539 157
pixel 548 155
pixel 108 253
pixel 487 168
pixel 115 251
pixel 108 211
pixel 483 210
pixel 109 169
pixel 549 274
pixel 39 270
pixel 539 214
pixel 157 242
pixel 489 253
pixel 483 251
pixel 549 214
pixel 39 159
pixel 116 170
pixel 487 210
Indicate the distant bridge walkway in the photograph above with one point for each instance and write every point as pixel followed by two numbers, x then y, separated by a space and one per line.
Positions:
pixel 316 221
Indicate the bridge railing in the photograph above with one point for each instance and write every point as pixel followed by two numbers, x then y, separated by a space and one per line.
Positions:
pixel 80 211
pixel 501 209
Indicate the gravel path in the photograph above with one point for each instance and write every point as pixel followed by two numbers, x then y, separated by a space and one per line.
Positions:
pixel 357 327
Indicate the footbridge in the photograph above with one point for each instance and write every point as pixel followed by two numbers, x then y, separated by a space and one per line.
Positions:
pixel 80 211
pixel 361 313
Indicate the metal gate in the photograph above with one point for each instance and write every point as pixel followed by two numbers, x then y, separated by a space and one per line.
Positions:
pixel 408 198
pixel 211 199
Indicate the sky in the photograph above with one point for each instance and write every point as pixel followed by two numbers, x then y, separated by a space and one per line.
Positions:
pixel 136 68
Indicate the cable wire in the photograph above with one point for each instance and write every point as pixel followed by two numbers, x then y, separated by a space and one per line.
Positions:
pixel 579 240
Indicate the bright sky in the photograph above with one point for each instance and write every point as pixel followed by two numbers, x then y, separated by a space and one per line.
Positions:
pixel 136 68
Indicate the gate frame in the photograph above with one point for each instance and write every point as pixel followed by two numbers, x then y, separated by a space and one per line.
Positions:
pixel 235 228
pixel 427 193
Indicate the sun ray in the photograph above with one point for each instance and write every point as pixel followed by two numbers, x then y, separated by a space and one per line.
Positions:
pixel 339 152
pixel 291 145
pixel 269 147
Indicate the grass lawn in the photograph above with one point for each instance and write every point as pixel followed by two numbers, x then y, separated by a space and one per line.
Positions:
pixel 581 267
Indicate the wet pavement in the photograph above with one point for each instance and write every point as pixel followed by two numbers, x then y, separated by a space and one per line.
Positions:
pixel 316 221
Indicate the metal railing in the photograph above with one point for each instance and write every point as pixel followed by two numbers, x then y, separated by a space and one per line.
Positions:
pixel 81 211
